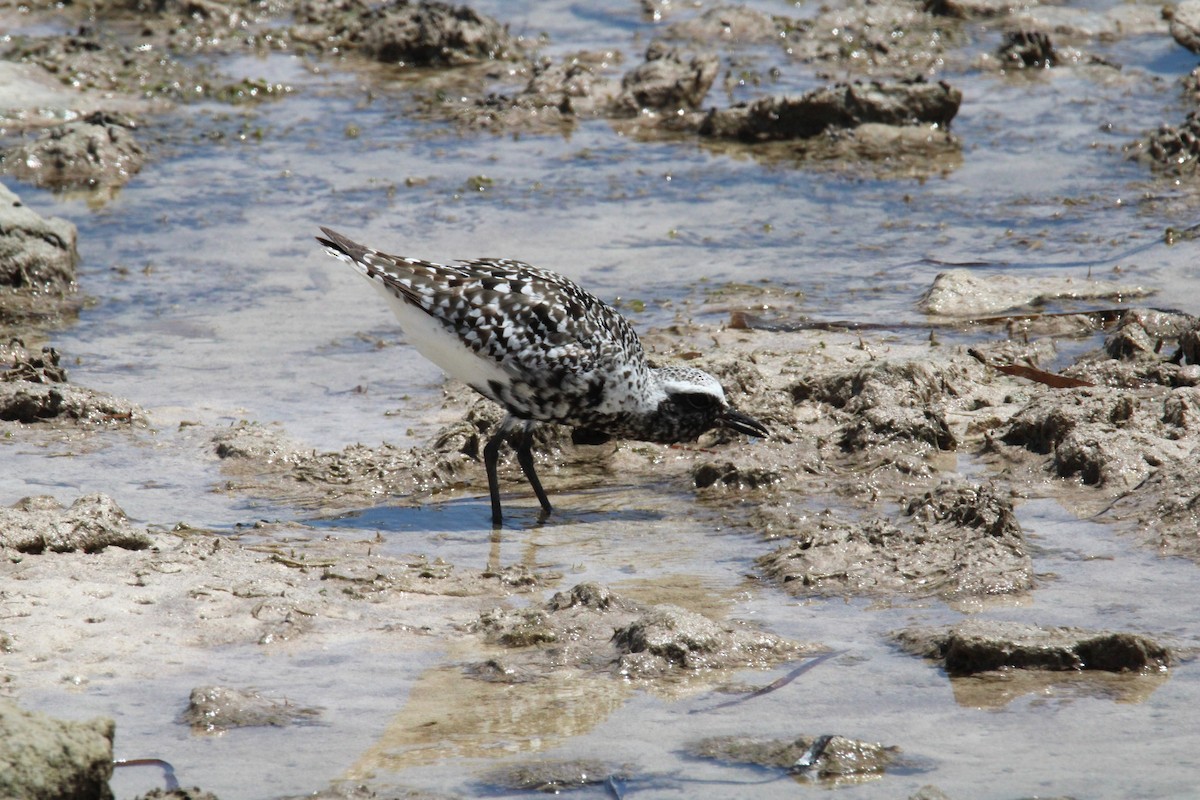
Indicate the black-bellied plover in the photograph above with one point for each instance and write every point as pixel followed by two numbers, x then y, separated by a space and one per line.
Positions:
pixel 544 349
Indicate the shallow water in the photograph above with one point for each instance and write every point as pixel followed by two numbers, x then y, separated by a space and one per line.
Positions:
pixel 214 304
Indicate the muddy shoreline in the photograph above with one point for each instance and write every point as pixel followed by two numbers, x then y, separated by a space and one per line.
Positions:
pixel 899 471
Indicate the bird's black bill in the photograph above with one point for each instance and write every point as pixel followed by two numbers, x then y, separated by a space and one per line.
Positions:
pixel 737 421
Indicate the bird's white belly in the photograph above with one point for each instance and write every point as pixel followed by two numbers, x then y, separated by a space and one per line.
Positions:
pixel 442 346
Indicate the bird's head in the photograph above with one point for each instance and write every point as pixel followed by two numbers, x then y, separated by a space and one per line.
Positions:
pixel 695 403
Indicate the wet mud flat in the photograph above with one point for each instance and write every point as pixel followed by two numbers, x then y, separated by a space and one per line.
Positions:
pixel 857 494
pixel 967 547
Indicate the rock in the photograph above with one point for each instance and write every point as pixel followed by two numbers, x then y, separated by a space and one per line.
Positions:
pixel 982 645
pixel 1181 409
pixel 1189 346
pixel 92 523
pixel 553 777
pixel 429 33
pixel 668 80
pixel 196 793
pixel 738 24
pixel 93 60
pixel 524 628
pixel 352 791
pixel 217 708
pixel 555 96
pixel 980 508
pixel 1162 508
pixel 1026 48
pixel 49 759
pixel 890 423
pixel 34 369
pixel 572 86
pixel 673 634
pixel 1184 21
pixel 957 541
pixel 590 627
pixel 886 402
pixel 59 403
pixel 34 390
pixel 1172 148
pixel 880 38
pixel 898 150
pixel 665 639
pixel 929 792
pixel 1134 355
pixel 838 756
pixel 833 107
pixel 36 252
pixel 728 474
pixel 1190 84
pixel 97 151
pixel 963 293
pixel 1109 438
pixel 977 9
pixel 587 595
pixel 1131 342
pixel 247 442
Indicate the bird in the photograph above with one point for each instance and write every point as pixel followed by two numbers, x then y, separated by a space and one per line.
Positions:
pixel 545 350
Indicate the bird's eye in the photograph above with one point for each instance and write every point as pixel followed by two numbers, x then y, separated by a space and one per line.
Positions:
pixel 697 401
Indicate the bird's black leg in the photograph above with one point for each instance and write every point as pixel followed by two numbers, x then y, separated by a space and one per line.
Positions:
pixel 524 442
pixel 491 454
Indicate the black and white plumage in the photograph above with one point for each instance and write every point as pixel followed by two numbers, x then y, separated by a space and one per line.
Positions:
pixel 544 349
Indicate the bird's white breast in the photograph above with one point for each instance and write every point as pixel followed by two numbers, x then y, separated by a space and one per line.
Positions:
pixel 441 345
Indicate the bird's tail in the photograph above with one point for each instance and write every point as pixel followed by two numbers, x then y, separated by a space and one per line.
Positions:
pixel 341 247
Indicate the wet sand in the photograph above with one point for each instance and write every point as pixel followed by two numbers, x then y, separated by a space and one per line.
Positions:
pixel 259 537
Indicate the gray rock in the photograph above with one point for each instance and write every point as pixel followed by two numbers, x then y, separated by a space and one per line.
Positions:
pixel 49 759
pixel 665 639
pixel 887 402
pixel 92 523
pixel 963 293
pixel 1185 23
pixel 838 756
pixel 668 80
pixel 1172 148
pixel 218 708
pixel 430 34
pixel 956 541
pixel 1028 48
pixel 554 777
pixel 835 107
pixel 31 402
pixel 196 793
pixel 97 151
pixel 978 9
pixel 26 366
pixel 590 627
pixel 94 58
pixel 730 24
pixel 35 252
pixel 984 645
pixel 726 473
pixel 1107 437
